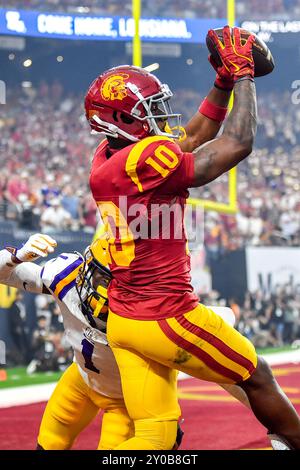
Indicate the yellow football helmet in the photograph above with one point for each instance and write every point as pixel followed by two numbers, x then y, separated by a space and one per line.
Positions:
pixel 93 280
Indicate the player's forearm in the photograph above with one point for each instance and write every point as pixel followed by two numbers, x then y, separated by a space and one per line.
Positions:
pixel 235 144
pixel 24 276
pixel 7 265
pixel 200 128
pixel 219 97
pixel 242 122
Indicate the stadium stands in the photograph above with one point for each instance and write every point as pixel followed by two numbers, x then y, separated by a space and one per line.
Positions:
pixel 182 8
pixel 46 146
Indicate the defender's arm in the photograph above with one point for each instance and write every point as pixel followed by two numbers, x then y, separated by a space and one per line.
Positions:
pixel 16 271
pixel 25 276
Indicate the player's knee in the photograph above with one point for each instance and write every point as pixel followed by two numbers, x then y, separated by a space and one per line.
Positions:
pixel 262 375
pixel 160 434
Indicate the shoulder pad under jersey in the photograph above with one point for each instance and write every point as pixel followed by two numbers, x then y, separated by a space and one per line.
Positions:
pixel 59 274
pixel 152 160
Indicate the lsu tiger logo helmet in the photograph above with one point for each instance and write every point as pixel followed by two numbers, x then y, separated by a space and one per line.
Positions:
pixel 127 102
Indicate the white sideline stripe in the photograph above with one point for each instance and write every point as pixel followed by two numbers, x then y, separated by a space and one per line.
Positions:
pixel 285 357
pixel 25 395
pixel 28 394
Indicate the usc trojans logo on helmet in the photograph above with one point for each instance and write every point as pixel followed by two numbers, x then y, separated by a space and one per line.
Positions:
pixel 114 88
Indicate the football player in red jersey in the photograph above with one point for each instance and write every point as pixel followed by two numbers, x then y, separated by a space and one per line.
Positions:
pixel 155 323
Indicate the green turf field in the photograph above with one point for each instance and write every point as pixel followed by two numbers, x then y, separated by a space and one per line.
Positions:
pixel 16 377
pixel 272 350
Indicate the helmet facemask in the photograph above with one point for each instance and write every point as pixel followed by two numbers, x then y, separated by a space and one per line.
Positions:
pixel 157 108
pixel 91 285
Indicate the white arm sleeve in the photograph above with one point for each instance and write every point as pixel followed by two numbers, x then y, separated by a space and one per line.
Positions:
pixel 24 276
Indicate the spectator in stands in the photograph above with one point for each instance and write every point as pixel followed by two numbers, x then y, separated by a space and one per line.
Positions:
pixel 44 352
pixel 18 328
pixel 89 212
pixel 70 200
pixel 55 218
pixel 271 318
pixel 17 185
pixel 43 308
pixel 234 305
pixel 49 190
pixel 4 201
pixel 28 215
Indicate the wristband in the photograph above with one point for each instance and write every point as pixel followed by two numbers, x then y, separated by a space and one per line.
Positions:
pixel 13 252
pixel 245 77
pixel 212 111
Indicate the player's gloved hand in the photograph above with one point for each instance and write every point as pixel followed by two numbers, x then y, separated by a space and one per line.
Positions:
pixel 224 80
pixel 236 58
pixel 36 246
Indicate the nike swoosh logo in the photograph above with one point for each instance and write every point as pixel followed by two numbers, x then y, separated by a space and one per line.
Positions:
pixel 25 284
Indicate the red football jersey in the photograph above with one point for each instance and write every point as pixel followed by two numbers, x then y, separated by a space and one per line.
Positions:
pixel 141 192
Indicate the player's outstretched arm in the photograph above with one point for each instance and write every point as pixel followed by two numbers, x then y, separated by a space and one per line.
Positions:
pixel 235 144
pixel 220 155
pixel 16 268
pixel 206 123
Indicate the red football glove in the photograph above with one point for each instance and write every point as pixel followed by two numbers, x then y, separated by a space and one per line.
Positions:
pixel 236 58
pixel 224 80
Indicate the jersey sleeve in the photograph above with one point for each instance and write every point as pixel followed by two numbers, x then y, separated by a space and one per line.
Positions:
pixel 157 161
pixel 24 276
pixel 59 274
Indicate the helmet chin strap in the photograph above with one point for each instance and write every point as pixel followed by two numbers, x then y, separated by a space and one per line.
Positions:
pixel 112 130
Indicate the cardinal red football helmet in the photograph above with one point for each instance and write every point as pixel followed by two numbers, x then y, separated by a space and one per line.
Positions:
pixel 128 102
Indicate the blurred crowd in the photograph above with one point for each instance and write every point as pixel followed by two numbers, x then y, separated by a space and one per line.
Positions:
pixel 276 9
pixel 46 150
pixel 43 347
pixel 267 319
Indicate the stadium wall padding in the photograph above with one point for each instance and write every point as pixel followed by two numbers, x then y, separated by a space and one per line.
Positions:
pixel 229 275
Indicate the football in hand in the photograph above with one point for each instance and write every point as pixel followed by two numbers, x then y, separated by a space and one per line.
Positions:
pixel 262 56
